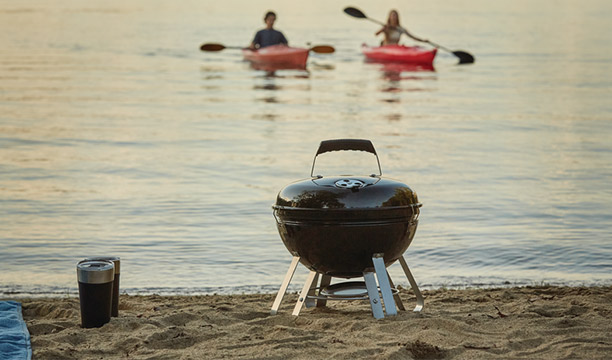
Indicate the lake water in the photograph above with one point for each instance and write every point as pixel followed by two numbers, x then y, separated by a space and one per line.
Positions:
pixel 118 136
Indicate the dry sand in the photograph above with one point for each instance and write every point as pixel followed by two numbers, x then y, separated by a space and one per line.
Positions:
pixel 516 323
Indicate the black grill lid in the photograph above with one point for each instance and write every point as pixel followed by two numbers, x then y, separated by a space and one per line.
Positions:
pixel 346 192
pixel 360 193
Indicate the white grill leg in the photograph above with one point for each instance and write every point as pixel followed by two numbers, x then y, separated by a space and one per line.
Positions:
pixel 304 294
pixel 370 281
pixel 413 284
pixel 398 300
pixel 284 285
pixel 383 282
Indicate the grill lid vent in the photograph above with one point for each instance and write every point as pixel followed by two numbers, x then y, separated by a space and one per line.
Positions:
pixel 349 184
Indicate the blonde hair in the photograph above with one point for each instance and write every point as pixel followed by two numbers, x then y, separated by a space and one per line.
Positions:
pixel 389 17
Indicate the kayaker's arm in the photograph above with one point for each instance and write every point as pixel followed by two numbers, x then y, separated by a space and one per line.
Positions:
pixel 256 41
pixel 412 36
pixel 283 39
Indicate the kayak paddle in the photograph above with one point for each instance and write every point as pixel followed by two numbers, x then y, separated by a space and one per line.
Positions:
pixel 217 47
pixel 321 49
pixel 464 57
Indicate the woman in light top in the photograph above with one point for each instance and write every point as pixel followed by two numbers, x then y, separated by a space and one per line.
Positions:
pixel 393 31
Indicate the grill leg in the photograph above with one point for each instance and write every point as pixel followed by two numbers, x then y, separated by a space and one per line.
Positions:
pixel 383 282
pixel 310 302
pixel 325 281
pixel 413 284
pixel 304 294
pixel 398 300
pixel 370 281
pixel 284 285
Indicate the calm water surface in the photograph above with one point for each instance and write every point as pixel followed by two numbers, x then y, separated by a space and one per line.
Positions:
pixel 117 136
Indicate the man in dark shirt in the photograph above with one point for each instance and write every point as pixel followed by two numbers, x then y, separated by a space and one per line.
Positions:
pixel 268 36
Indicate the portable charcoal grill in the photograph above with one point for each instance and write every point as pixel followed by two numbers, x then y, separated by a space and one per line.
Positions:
pixel 347 227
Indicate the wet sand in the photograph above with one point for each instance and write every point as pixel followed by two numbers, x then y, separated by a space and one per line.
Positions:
pixel 514 323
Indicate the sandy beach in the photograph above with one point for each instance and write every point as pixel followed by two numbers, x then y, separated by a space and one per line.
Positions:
pixel 514 323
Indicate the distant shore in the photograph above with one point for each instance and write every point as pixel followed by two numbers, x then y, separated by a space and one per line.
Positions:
pixel 518 323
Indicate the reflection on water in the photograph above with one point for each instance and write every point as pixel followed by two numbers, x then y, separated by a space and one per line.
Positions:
pixel 402 77
pixel 315 65
pixel 267 87
pixel 393 117
pixel 270 84
pixel 144 147
pixel 286 74
pixel 397 76
pixel 277 86
pixel 271 70
pixel 396 69
pixel 266 117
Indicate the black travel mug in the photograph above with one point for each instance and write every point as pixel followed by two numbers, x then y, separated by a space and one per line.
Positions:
pixel 117 262
pixel 95 291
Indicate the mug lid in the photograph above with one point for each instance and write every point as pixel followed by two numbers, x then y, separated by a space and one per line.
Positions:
pixel 115 259
pixel 95 271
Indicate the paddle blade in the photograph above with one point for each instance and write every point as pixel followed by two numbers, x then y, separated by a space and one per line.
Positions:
pixel 212 47
pixel 464 57
pixel 323 49
pixel 354 12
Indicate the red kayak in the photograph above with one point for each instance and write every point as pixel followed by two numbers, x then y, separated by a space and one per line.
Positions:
pixel 400 54
pixel 277 57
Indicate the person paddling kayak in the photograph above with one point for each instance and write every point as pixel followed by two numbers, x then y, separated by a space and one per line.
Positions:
pixel 268 36
pixel 393 31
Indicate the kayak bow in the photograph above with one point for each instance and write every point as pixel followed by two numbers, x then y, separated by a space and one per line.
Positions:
pixel 400 54
pixel 277 57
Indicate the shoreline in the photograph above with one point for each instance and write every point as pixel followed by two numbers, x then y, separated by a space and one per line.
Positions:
pixel 16 292
pixel 544 322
